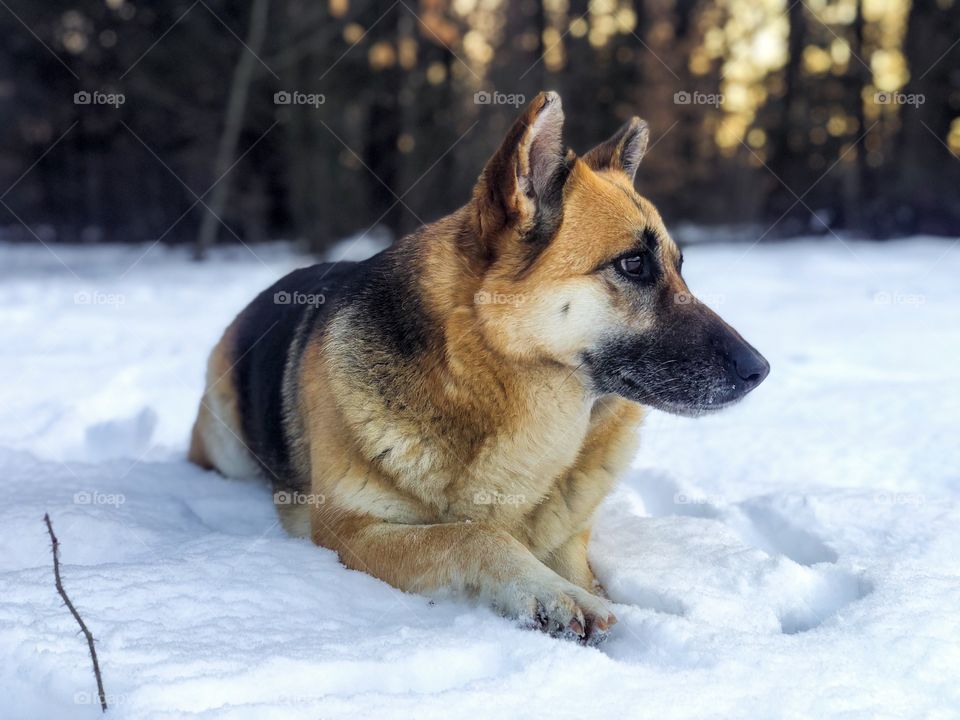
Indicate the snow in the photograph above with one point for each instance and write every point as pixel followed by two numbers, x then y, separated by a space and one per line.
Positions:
pixel 793 557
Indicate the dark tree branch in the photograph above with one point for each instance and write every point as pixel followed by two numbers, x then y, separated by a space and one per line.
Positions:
pixel 73 611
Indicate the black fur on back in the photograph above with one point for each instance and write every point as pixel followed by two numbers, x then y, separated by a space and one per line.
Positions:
pixel 271 336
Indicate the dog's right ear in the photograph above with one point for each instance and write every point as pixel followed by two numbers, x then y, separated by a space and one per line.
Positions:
pixel 623 151
pixel 521 187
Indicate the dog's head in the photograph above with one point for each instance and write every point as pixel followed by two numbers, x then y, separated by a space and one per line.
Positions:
pixel 579 269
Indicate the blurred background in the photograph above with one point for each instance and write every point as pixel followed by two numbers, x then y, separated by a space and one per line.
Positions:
pixel 217 121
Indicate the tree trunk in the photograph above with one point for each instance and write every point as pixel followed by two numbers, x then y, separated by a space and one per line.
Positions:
pixel 925 174
pixel 787 158
pixel 855 186
pixel 233 124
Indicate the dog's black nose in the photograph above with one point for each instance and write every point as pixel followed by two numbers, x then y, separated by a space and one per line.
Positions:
pixel 750 366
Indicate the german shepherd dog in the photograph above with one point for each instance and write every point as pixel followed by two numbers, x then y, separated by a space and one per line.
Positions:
pixel 448 415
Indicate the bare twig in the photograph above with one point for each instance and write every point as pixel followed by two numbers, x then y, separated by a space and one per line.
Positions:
pixel 73 611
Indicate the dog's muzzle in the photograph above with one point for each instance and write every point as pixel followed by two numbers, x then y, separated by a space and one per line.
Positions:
pixel 692 365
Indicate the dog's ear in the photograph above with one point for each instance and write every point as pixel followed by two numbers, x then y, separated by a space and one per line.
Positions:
pixel 623 151
pixel 521 186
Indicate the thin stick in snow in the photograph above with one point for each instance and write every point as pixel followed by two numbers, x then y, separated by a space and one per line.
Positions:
pixel 73 611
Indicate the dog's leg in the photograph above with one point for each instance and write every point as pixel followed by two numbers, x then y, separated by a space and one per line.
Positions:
pixel 570 561
pixel 470 559
pixel 561 523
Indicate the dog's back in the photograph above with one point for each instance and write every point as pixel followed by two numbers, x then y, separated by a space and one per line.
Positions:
pixel 251 419
pixel 243 427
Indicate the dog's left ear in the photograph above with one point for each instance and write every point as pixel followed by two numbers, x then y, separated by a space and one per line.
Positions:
pixel 522 184
pixel 623 151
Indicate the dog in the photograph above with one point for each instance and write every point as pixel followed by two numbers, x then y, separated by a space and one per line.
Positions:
pixel 448 414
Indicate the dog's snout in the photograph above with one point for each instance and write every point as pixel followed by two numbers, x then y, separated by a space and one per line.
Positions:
pixel 746 367
pixel 750 366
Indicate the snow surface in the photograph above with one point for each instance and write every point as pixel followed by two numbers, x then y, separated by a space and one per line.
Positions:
pixel 794 557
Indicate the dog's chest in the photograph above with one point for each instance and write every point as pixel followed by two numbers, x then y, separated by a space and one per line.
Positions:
pixel 523 463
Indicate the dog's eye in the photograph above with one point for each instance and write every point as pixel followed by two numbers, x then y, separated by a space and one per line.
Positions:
pixel 634 266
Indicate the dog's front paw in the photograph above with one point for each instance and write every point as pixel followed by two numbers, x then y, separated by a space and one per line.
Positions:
pixel 563 610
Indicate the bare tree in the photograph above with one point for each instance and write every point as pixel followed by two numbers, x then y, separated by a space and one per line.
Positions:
pixel 233 123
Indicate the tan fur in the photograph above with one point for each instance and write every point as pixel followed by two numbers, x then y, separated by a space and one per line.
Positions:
pixel 216 440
